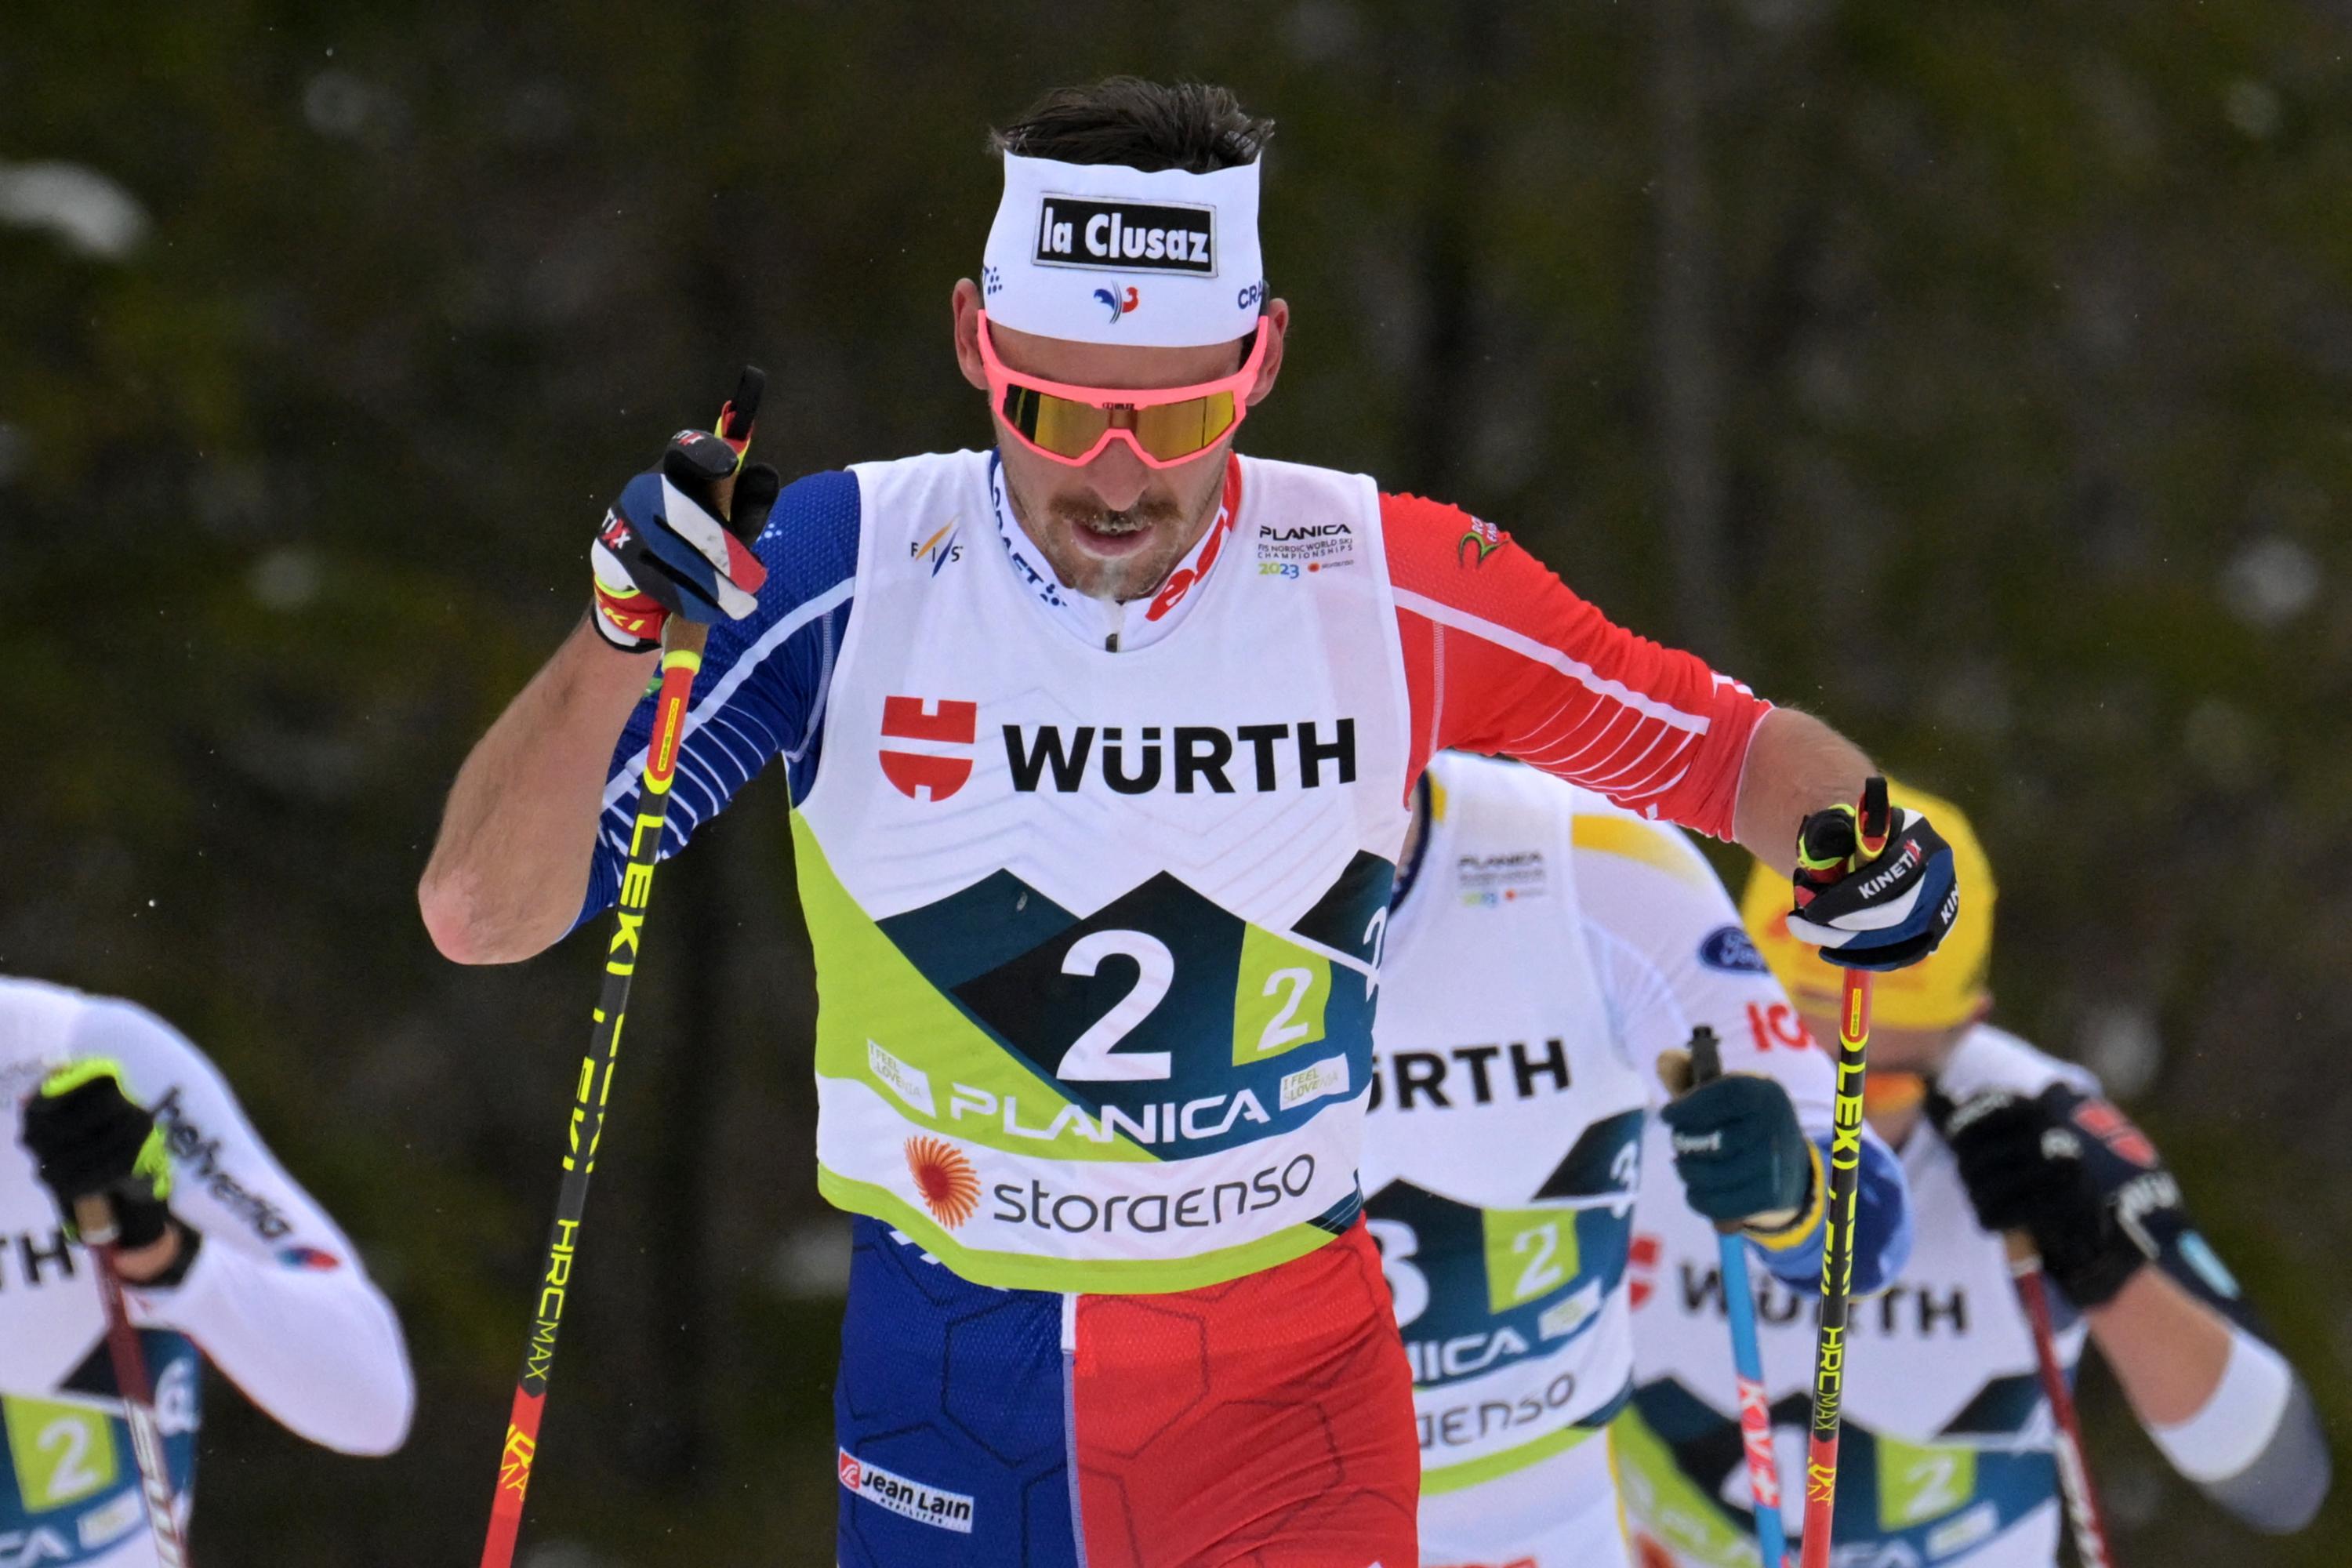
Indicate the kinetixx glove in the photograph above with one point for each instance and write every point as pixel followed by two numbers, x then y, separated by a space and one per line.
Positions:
pixel 664 550
pixel 1883 914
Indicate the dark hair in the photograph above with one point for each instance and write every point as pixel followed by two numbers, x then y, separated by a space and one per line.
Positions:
pixel 1138 125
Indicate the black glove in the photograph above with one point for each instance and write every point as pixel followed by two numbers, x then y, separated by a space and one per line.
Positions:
pixel 1742 1158
pixel 2028 1165
pixel 90 1140
pixel 1890 912
pixel 663 550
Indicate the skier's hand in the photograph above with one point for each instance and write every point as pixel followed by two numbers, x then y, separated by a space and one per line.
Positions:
pixel 664 550
pixel 2022 1163
pixel 1890 910
pixel 91 1140
pixel 1743 1160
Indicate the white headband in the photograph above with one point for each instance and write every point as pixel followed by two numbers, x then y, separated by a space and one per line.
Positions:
pixel 1104 253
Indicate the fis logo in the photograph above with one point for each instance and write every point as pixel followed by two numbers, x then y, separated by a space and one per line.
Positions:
pixel 946 728
pixel 942 549
pixel 943 1176
pixel 1121 304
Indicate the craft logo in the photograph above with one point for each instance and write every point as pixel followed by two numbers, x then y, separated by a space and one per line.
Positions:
pixel 1181 581
pixel 1126 236
pixel 944 548
pixel 1121 304
pixel 949 1185
pixel 932 774
pixel 908 1498
pixel 1728 949
pixel 1481 536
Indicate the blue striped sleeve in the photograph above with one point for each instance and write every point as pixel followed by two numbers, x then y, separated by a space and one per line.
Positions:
pixel 761 695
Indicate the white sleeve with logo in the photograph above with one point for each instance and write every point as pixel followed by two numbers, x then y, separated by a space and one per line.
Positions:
pixel 277 1297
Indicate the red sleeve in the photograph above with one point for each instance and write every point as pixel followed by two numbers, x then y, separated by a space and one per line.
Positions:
pixel 1501 658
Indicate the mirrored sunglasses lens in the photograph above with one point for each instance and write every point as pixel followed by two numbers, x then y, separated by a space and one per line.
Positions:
pixel 1172 430
pixel 1065 429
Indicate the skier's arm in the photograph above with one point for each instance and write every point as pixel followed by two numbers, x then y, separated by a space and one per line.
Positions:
pixel 1666 941
pixel 536 830
pixel 511 860
pixel 275 1297
pixel 1502 658
pixel 2225 1408
pixel 2069 1172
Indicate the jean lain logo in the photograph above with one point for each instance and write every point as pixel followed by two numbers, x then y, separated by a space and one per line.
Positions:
pixel 852 1473
pixel 933 755
pixel 944 1176
pixel 1121 304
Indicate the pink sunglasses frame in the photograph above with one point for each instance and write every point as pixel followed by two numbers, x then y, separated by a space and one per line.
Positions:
pixel 1002 378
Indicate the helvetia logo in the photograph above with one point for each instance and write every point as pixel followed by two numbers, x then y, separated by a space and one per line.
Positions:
pixel 952 727
pixel 1121 304
pixel 944 1176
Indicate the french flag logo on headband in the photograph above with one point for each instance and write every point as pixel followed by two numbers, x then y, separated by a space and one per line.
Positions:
pixel 1119 304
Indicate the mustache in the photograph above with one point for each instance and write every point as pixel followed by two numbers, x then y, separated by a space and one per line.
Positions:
pixel 1076 512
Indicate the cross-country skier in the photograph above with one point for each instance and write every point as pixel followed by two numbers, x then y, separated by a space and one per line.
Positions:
pixel 1099 746
pixel 1545 949
pixel 223 1259
pixel 1948 1456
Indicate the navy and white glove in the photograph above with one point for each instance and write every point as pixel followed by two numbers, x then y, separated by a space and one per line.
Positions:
pixel 664 550
pixel 2028 1167
pixel 1888 912
pixel 1743 1160
pixel 89 1138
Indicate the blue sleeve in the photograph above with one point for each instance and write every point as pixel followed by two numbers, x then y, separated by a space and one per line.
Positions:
pixel 1881 1226
pixel 760 694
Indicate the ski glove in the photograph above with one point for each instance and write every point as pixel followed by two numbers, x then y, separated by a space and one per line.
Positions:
pixel 1885 913
pixel 665 552
pixel 2023 1162
pixel 90 1138
pixel 1741 1156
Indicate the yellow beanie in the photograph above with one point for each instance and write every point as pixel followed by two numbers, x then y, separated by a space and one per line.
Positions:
pixel 1940 992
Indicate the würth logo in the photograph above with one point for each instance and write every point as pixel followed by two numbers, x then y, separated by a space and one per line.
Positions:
pixel 944 731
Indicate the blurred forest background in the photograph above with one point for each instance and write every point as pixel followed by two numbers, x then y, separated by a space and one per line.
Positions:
pixel 1974 373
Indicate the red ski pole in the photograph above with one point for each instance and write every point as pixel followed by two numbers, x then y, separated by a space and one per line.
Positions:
pixel 681 659
pixel 2089 1525
pixel 94 1217
pixel 1837 1240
